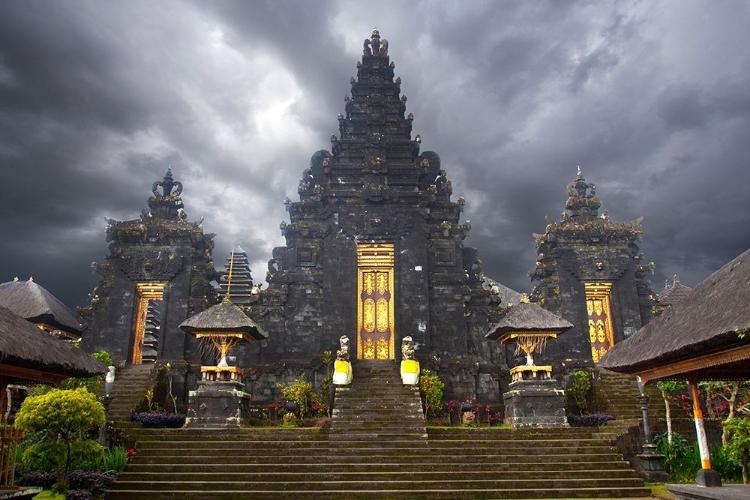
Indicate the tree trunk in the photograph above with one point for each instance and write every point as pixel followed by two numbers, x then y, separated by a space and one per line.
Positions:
pixel 732 401
pixel 668 415
pixel 744 472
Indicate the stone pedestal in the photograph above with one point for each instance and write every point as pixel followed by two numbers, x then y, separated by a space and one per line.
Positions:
pixel 218 403
pixel 535 403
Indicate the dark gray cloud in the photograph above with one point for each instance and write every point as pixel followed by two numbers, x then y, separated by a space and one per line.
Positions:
pixel 98 98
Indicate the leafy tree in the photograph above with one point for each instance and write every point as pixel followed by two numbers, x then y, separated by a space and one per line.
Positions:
pixel 91 383
pixel 431 391
pixel 738 446
pixel 61 415
pixel 722 401
pixel 670 389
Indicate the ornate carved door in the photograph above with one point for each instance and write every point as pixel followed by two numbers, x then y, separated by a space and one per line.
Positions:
pixel 375 335
pixel 600 319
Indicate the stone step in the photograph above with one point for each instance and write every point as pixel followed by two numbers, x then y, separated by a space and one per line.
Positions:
pixel 416 493
pixel 376 456
pixel 403 465
pixel 385 484
pixel 372 476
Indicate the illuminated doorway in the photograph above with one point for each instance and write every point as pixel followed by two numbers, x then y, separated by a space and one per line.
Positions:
pixel 600 318
pixel 375 332
pixel 147 322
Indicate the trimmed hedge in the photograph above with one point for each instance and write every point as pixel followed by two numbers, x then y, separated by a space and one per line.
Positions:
pixel 590 419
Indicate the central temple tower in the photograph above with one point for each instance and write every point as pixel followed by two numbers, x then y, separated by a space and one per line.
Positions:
pixel 374 249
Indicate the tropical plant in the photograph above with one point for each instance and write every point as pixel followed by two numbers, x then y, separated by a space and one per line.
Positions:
pixel 669 390
pixel 431 391
pixel 61 415
pixel 303 393
pixel 580 385
pixel 115 459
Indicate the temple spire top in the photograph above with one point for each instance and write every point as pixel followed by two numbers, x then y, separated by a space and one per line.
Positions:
pixel 582 201
pixel 167 204
pixel 374 46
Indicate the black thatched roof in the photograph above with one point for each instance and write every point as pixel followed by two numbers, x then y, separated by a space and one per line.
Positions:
pixel 24 345
pixel 34 303
pixel 223 317
pixel 526 317
pixel 709 319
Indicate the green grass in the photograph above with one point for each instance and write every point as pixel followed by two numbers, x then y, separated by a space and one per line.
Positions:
pixel 48 495
pixel 658 490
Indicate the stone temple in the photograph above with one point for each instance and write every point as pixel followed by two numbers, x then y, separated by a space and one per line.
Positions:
pixel 374 251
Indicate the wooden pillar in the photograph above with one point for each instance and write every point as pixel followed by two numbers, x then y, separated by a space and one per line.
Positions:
pixel 706 476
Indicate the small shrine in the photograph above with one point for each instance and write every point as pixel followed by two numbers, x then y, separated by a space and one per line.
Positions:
pixel 220 399
pixel 532 399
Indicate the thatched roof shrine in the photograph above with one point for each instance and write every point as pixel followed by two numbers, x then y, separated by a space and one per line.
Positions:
pixel 29 354
pixel 527 317
pixel 706 335
pixel 224 317
pixel 34 303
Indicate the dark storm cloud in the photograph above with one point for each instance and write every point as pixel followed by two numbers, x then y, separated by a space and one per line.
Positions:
pixel 98 98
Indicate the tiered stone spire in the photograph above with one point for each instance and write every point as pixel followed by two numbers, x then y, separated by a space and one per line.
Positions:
pixel 237 281
pixel 582 201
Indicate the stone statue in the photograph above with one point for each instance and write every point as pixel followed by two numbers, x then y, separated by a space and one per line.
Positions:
pixel 409 363
pixel 342 371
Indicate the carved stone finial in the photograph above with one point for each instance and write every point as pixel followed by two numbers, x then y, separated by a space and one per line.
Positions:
pixel 579 175
pixel 167 185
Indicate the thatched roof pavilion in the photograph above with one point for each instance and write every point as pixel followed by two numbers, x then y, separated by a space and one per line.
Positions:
pixel 27 354
pixel 34 303
pixel 705 335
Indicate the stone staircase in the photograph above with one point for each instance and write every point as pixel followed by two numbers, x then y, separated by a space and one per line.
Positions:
pixel 621 393
pixel 377 448
pixel 377 409
pixel 131 384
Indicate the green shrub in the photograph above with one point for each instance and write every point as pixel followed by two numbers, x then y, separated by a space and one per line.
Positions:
pixel 48 456
pixel 86 455
pixel 580 385
pixel 738 447
pixel 431 391
pixel 45 457
pixel 289 420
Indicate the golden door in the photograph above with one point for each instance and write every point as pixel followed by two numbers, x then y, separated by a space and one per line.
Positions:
pixel 600 319
pixel 375 335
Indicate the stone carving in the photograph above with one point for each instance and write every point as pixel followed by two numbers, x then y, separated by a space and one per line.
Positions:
pixel 151 266
pixel 409 364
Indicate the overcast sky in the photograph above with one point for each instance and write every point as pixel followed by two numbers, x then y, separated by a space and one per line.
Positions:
pixel 97 98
